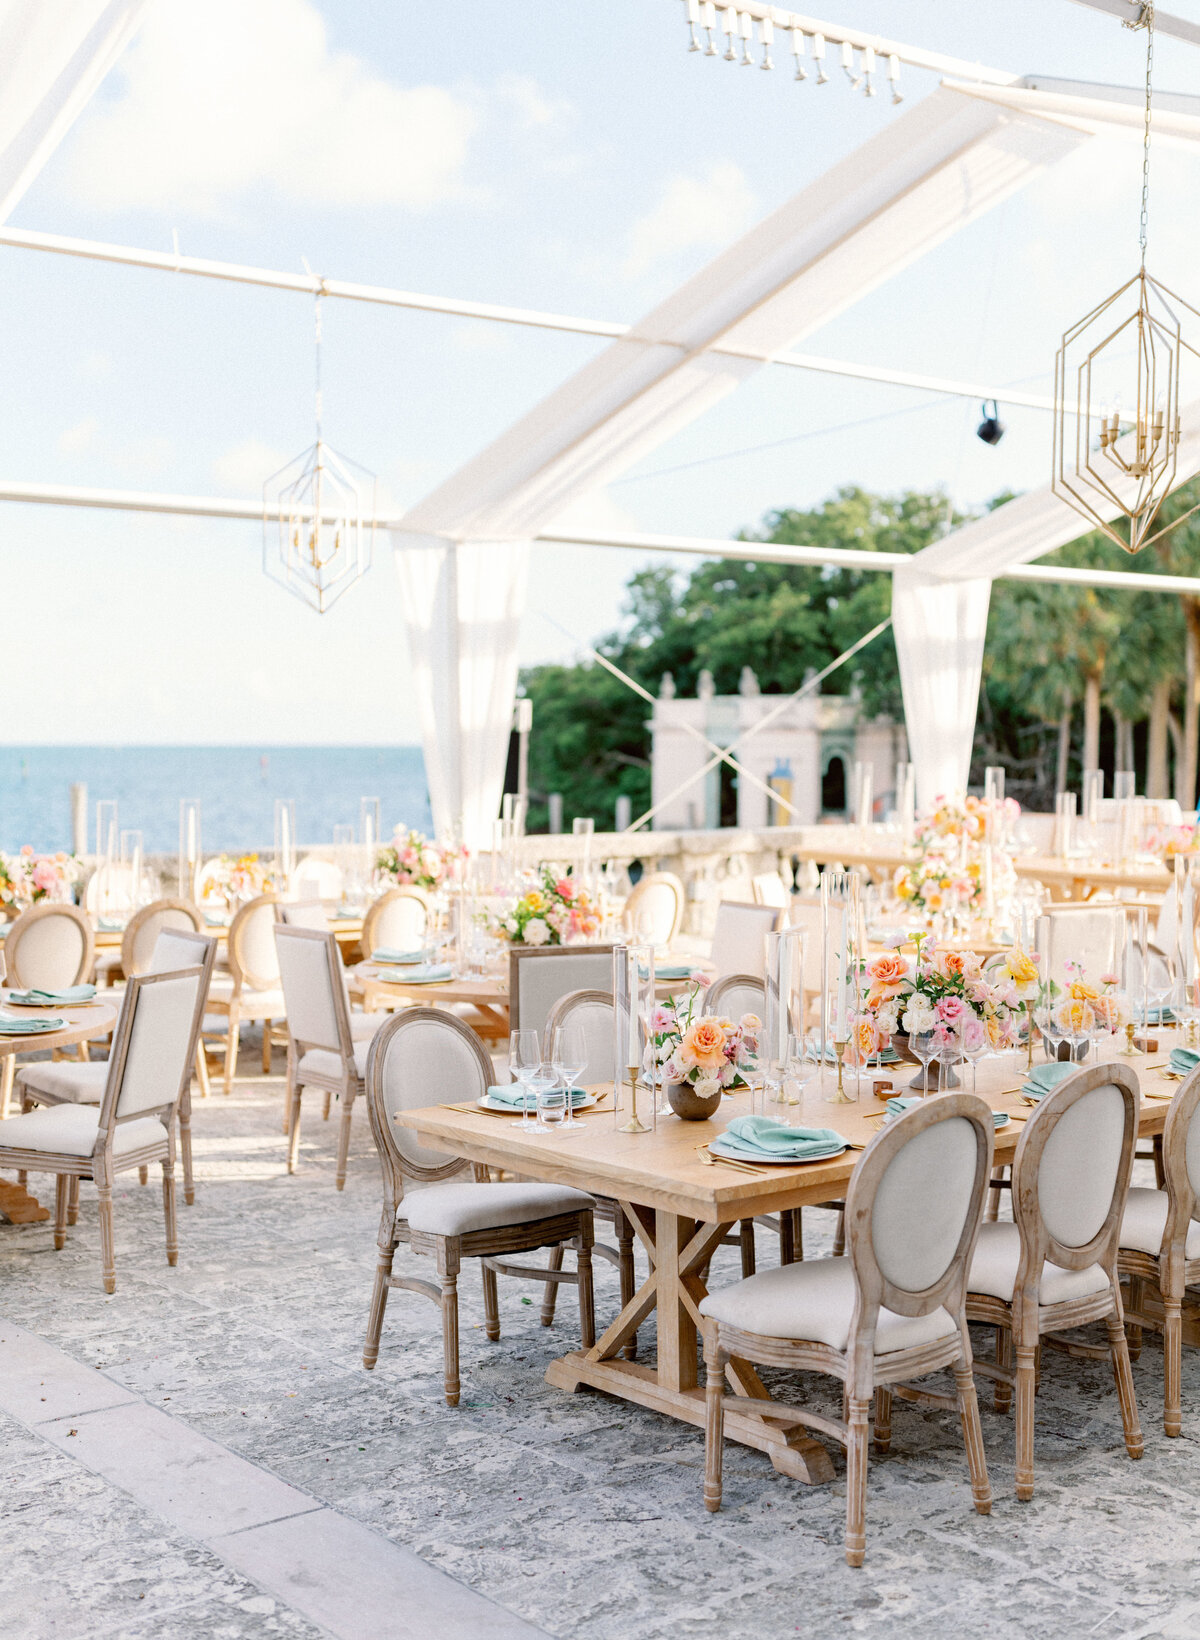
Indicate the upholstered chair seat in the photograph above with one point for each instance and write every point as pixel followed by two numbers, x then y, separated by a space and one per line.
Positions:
pixel 456 1209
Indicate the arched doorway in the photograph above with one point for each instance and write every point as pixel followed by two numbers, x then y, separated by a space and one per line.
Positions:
pixel 833 786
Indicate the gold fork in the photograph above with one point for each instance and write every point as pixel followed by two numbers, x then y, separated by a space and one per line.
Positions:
pixel 709 1160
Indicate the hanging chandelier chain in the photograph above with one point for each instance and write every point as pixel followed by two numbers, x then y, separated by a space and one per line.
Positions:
pixel 317 368
pixel 1146 21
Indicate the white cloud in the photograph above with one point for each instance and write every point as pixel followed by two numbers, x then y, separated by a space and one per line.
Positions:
pixel 73 441
pixel 526 97
pixel 692 213
pixel 234 95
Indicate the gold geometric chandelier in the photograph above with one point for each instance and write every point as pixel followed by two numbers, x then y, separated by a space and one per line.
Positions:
pixel 1117 376
pixel 316 542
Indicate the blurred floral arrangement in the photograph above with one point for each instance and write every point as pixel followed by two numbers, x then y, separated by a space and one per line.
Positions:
pixel 1172 840
pixel 708 1051
pixel 1079 1009
pixel 410 858
pixel 553 910
pixel 27 878
pixel 235 879
pixel 952 819
pixel 946 992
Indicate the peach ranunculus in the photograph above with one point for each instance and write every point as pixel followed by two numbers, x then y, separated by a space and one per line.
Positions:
pixel 704 1043
pixel 888 975
pixel 864 1039
pixel 1080 991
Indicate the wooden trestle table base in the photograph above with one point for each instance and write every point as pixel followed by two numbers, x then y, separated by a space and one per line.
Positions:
pixel 681 1209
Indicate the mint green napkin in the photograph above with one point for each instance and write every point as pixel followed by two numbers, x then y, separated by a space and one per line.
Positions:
pixel 1156 1016
pixel 1184 1060
pixel 672 970
pixel 1043 1079
pixel 428 974
pixel 776 1139
pixel 512 1094
pixel 30 1027
pixel 390 953
pixel 899 1103
pixel 57 999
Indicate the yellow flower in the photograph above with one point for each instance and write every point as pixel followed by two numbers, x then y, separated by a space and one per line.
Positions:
pixel 1021 969
pixel 533 901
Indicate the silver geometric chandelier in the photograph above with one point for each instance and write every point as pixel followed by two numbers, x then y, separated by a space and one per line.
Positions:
pixel 316 540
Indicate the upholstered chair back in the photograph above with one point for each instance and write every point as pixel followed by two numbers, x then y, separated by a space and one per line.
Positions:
pixel 735 995
pixel 302 914
pixel 140 940
pixel 423 1056
pixel 397 919
pixel 153 1043
pixel 317 879
pixel 310 970
pixel 49 947
pixel 253 959
pixel 770 889
pixel 739 943
pixel 177 948
pixel 592 1012
pixel 657 899
pixel 539 975
pixel 1092 936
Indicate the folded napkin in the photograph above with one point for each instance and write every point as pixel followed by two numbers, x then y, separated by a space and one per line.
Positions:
pixel 216 921
pixel 776 1139
pixel 389 953
pixel 426 974
pixel 30 1027
pixel 1183 1060
pixel 899 1103
pixel 56 999
pixel 1155 1016
pixel 1043 1079
pixel 672 970
pixel 111 925
pixel 513 1094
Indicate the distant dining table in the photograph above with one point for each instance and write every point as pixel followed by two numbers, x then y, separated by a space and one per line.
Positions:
pixel 682 1207
pixel 82 1022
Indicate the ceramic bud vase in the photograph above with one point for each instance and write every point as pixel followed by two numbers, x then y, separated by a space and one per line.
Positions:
pixel 688 1104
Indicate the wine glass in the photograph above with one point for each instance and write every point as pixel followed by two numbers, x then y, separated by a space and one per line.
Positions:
pixel 949 1052
pixel 975 1047
pixel 925 1045
pixel 568 1056
pixel 803 1063
pixel 524 1061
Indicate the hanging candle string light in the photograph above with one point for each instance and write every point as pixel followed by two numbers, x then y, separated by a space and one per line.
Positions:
pixel 316 540
pixel 743 25
pixel 1126 351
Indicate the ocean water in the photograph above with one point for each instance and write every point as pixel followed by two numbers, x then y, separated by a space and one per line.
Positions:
pixel 236 785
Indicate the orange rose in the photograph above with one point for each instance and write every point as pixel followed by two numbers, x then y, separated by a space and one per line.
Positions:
pixel 705 1042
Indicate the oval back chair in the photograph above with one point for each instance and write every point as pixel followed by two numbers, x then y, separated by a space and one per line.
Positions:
pixel 739 944
pixel 49 947
pixel 144 927
pixel 658 902
pixel 397 920
pixel 735 995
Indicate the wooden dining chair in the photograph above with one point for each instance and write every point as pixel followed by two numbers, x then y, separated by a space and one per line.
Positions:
pixel 251 992
pixel 134 1124
pixel 657 899
pixel 1055 1267
pixel 1160 1243
pixel 426 1057
pixel 302 914
pixel 539 975
pixel 48 947
pixel 46 1083
pixel 317 878
pixel 769 888
pixel 396 920
pixel 891 1310
pixel 739 942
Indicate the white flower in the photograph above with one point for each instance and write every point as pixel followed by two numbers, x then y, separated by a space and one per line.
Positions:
pixel 706 1086
pixel 511 926
pixel 537 931
pixel 919 1016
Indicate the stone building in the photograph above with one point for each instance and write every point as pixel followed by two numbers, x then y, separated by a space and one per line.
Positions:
pixel 806 754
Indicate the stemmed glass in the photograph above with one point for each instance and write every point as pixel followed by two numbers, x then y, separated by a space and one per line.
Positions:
pixel 803 1063
pixel 975 1047
pixel 949 1052
pixel 524 1063
pixel 568 1056
pixel 925 1045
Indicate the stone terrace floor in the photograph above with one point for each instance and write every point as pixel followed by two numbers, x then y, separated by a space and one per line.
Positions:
pixel 202 1454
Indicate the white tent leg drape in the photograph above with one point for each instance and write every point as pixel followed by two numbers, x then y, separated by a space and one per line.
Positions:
pixel 939 628
pixel 462 604
pixel 53 55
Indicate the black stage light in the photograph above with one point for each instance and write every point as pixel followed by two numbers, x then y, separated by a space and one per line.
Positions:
pixel 991 428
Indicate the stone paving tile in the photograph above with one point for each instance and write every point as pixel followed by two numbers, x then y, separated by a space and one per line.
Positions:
pixel 581 1513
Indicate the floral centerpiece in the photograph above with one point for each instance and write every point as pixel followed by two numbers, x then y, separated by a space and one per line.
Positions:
pixel 1079 1009
pixel 1168 841
pixel 942 829
pixel 410 858
pixel 554 908
pixel 933 886
pixel 235 879
pixel 945 993
pixel 27 878
pixel 698 1056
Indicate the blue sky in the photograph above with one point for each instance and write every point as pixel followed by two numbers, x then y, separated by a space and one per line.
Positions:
pixel 539 153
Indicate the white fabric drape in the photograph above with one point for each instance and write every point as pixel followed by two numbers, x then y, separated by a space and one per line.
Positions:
pixel 939 628
pixel 53 55
pixel 462 605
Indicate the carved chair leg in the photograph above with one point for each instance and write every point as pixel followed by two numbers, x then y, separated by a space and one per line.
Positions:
pixel 143 1175
pixel 379 1298
pixel 714 1419
pixel 1123 1373
pixel 327 1106
pixel 450 1338
pixel 883 1417
pixel 266 1047
pixel 231 1053
pixel 185 1146
pixel 587 1296
pixel 201 1069
pixel 1172 1365
pixel 1137 1303
pixel 968 1410
pixel 73 1200
pixel 8 1070
pixel 62 1184
pixel 293 1147
pixel 856 1481
pixel 491 1302
pixel 1002 1393
pixel 108 1267
pixel 550 1290
pixel 839 1239
pixel 625 1271
pixel 992 1212
pixel 1026 1391
pixel 168 1172
pixel 787 1238
pixel 746 1243
pixel 343 1144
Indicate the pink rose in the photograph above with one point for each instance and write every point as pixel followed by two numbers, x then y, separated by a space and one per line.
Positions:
pixel 565 888
pixel 702 980
pixel 950 1010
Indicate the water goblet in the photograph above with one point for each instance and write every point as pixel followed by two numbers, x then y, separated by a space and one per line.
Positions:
pixel 924 1045
pixel 524 1060
pixel 568 1055
pixel 551 1098
pixel 975 1047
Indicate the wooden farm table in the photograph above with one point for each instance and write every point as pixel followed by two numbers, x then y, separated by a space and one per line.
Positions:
pixel 1080 879
pixel 347 929
pixel 680 1209
pixel 489 997
pixel 83 1023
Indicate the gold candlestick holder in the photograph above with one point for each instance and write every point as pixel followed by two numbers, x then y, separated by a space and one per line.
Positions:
pixel 1129 1051
pixel 839 1095
pixel 634 1125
